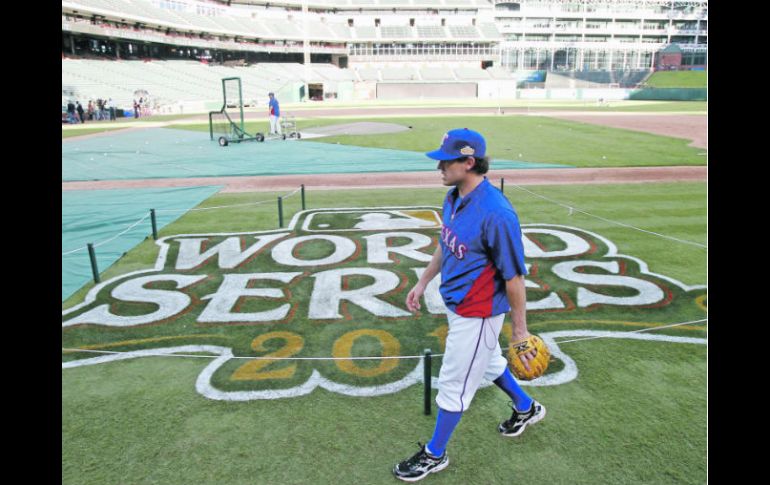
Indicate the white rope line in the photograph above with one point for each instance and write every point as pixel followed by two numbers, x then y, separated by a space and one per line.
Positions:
pixel 226 206
pixel 257 358
pixel 360 358
pixel 215 207
pixel 127 229
pixel 636 331
pixel 572 208
pixel 96 245
pixel 293 193
pixel 73 251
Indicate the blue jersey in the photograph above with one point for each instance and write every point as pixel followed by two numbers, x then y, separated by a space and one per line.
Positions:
pixel 274 110
pixel 481 248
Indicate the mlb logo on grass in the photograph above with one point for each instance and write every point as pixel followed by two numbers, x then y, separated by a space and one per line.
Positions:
pixel 371 220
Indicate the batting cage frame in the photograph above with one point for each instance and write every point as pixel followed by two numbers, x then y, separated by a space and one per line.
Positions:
pixel 222 123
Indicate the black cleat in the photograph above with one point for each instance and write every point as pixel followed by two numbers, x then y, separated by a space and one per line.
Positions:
pixel 519 421
pixel 420 465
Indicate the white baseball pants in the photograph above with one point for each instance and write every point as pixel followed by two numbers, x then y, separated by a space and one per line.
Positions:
pixel 275 126
pixel 472 353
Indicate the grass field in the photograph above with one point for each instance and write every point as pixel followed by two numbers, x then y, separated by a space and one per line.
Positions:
pixel 526 138
pixel 141 421
pixel 634 414
pixel 676 209
pixel 678 79
pixel 542 139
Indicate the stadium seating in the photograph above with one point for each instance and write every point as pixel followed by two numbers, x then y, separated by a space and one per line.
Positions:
pixel 629 78
pixel 264 27
pixel 138 9
pixel 431 32
pixel 333 73
pixel 437 74
pixel 196 21
pixel 471 74
pixel 499 73
pixel 319 30
pixel 366 32
pixel 368 74
pixel 399 74
pixel 463 31
pixel 174 81
pixel 341 31
pixel 396 32
pixel 288 71
pixel 229 24
pixel 489 31
pixel 257 27
pixel 393 40
pixel 284 28
pixel 269 27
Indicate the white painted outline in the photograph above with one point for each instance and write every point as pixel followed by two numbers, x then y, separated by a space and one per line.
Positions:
pixel 164 247
pixel 159 264
pixel 205 387
pixel 613 253
pixel 309 220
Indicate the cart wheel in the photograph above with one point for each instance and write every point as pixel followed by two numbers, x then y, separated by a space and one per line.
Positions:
pixel 260 137
pixel 223 141
pixel 299 135
pixel 283 137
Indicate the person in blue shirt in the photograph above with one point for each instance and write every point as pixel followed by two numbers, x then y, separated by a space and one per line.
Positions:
pixel 275 114
pixel 480 257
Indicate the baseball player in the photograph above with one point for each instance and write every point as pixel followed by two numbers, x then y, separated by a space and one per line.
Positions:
pixel 275 113
pixel 480 257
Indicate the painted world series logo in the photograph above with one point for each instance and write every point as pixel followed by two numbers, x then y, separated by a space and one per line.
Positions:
pixel 264 305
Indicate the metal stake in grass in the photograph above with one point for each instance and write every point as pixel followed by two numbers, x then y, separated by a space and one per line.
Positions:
pixel 94 269
pixel 154 224
pixel 427 380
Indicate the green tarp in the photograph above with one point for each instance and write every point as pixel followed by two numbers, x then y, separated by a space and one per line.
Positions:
pixel 173 153
pixel 97 216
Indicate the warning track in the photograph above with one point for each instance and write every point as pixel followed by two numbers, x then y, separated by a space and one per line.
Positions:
pixel 545 176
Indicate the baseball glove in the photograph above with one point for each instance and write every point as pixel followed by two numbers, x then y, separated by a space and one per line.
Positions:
pixel 537 366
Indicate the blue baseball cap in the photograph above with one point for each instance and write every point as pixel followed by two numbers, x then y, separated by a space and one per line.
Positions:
pixel 458 143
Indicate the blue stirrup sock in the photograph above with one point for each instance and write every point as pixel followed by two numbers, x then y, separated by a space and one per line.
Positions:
pixel 445 424
pixel 508 384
